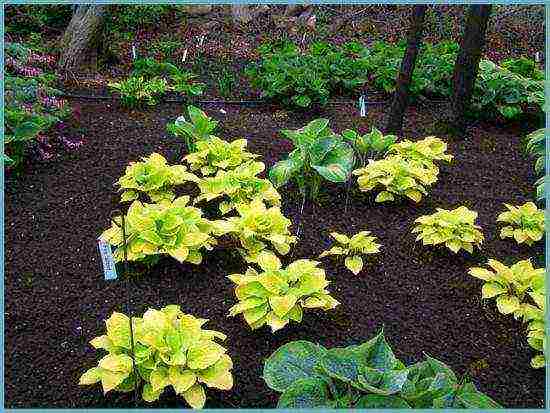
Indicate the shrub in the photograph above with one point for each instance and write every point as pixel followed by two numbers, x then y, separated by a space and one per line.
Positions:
pixel 425 151
pixel 369 145
pixel 456 229
pixel 170 348
pixel 276 296
pixel 319 154
pixel 198 128
pixel 136 91
pixel 352 249
pixel 365 376
pixel 526 223
pixel 397 177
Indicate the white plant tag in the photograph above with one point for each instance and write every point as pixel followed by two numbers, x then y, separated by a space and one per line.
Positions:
pixel 184 57
pixel 109 269
pixel 362 107
pixel 134 53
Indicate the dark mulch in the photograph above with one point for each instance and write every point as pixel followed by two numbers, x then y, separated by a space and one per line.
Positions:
pixel 56 298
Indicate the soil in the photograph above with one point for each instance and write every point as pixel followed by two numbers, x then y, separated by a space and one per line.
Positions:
pixel 57 298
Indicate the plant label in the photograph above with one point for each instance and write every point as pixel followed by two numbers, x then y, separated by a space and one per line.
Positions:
pixel 109 269
pixel 184 57
pixel 362 106
pixel 134 53
pixel 537 57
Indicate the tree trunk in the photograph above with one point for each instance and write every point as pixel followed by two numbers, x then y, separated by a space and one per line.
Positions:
pixel 241 13
pixel 467 61
pixel 82 38
pixel 401 95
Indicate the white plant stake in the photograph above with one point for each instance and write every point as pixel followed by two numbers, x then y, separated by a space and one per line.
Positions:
pixel 537 57
pixel 134 53
pixel 184 57
pixel 201 40
pixel 362 106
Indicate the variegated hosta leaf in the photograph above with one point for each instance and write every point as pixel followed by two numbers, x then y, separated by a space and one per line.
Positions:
pixel 526 223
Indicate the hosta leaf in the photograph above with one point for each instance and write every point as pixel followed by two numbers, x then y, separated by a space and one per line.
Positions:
pixel 195 396
pixel 204 354
pixel 218 375
pixel 283 171
pixel 117 363
pixel 507 304
pixel 159 379
pixel 490 290
pixel 148 394
pixel 282 305
pixel 305 393
pixel 354 264
pixel 91 376
pixel 482 273
pixel 118 329
pixel 181 380
pixel 379 401
pixel 384 196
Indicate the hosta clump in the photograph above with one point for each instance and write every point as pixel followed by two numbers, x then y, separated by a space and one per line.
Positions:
pixel 257 227
pixel 526 223
pixel 154 177
pixel 518 290
pixel 426 151
pixel 364 376
pixel 369 145
pixel 136 91
pixel 536 146
pixel 198 128
pixel 277 295
pixel 215 154
pixel 172 228
pixel 319 154
pixel 170 349
pixel 352 248
pixel 397 177
pixel 238 186
pixel 456 229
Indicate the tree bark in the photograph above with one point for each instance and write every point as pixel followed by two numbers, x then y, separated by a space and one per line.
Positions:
pixel 401 95
pixel 82 37
pixel 467 61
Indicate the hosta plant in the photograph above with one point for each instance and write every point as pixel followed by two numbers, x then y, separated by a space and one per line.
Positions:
pixel 136 91
pixel 456 229
pixel 214 154
pixel 365 376
pixel 154 177
pixel 198 128
pixel 172 228
pixel 275 296
pixel 318 154
pixel 396 177
pixel 170 348
pixel 369 145
pixel 257 227
pixel 238 186
pixel 526 223
pixel 518 290
pixel 352 248
pixel 536 146
pixel 426 151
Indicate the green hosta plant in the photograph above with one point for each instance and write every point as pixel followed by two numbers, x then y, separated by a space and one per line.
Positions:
pixel 319 154
pixel 172 228
pixel 426 151
pixel 364 376
pixel 536 146
pixel 170 348
pixel 456 229
pixel 397 177
pixel 255 227
pixel 238 186
pixel 154 177
pixel 369 145
pixel 136 91
pixel 535 315
pixel 214 154
pixel 352 248
pixel 198 128
pixel 526 223
pixel 278 295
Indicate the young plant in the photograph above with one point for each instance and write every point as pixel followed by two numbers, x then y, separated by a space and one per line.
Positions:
pixel 256 226
pixel 536 145
pixel 154 177
pixel 136 91
pixel 214 154
pixel 199 127
pixel 535 315
pixel 238 186
pixel 319 154
pixel 172 228
pixel 456 229
pixel 397 177
pixel 364 376
pixel 426 151
pixel 278 295
pixel 526 223
pixel 370 145
pixel 169 348
pixel 352 249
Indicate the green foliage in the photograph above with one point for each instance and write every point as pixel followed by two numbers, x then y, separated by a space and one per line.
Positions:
pixel 456 229
pixel 364 376
pixel 199 127
pixel 425 151
pixel 278 295
pixel 518 290
pixel 227 81
pixel 536 146
pixel 370 145
pixel 398 177
pixel 26 19
pixel 352 249
pixel 137 91
pixel 526 223
pixel 134 17
pixel 154 177
pixel 172 228
pixel 318 153
pixel 170 349
pixel 523 66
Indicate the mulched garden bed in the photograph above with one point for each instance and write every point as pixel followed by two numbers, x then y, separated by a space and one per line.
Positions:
pixel 423 297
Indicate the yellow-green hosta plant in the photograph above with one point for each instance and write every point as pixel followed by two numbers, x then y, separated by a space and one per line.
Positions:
pixel 427 150
pixel 535 315
pixel 172 228
pixel 257 227
pixel 526 223
pixel 396 177
pixel 154 177
pixel 214 154
pixel 456 229
pixel 352 248
pixel 170 349
pixel 238 186
pixel 277 295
